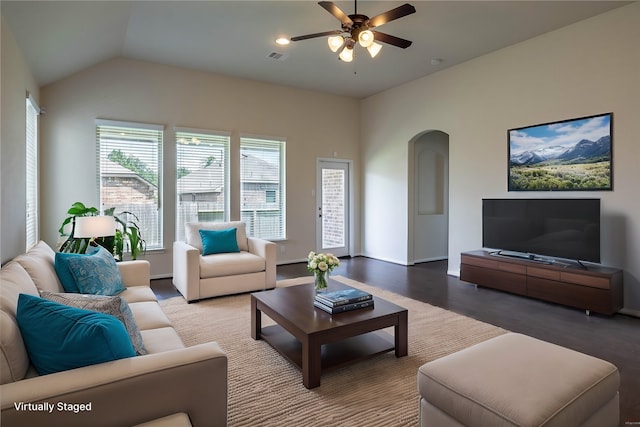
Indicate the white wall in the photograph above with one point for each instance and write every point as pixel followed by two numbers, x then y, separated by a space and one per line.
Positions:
pixel 588 68
pixel 16 81
pixel 123 89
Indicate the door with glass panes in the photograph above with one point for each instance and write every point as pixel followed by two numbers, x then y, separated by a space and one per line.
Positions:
pixel 332 207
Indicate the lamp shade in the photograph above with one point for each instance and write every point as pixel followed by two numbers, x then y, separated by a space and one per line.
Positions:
pixel 374 49
pixel 366 38
pixel 94 226
pixel 335 43
pixel 347 54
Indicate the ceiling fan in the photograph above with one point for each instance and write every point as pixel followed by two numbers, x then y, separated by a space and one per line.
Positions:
pixel 359 28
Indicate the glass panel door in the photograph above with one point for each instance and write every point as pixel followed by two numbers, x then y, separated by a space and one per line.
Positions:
pixel 333 207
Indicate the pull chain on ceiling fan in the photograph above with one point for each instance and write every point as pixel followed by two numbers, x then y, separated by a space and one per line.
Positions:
pixel 357 28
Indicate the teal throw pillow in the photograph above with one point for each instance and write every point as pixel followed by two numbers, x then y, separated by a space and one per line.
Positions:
pixel 59 337
pixel 61 265
pixel 115 306
pixel 219 241
pixel 96 274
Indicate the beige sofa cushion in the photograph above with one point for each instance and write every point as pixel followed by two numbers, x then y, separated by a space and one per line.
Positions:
pixel 138 294
pixel 14 360
pixel 39 262
pixel 149 315
pixel 160 340
pixel 14 281
pixel 219 265
pixel 176 420
pixel 193 234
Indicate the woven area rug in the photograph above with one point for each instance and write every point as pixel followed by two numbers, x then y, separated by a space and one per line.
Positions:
pixel 266 390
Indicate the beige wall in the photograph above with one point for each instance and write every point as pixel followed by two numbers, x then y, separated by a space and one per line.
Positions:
pixel 428 228
pixel 129 90
pixel 16 81
pixel 588 68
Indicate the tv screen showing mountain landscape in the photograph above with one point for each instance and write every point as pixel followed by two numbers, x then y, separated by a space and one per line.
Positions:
pixel 569 155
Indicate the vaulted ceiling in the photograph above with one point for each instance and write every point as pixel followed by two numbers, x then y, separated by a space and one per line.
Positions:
pixel 237 38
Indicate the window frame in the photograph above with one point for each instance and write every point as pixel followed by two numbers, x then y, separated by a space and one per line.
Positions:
pixel 32 194
pixel 150 131
pixel 268 142
pixel 222 138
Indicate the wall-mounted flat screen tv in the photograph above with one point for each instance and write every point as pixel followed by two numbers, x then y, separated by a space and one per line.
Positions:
pixel 557 228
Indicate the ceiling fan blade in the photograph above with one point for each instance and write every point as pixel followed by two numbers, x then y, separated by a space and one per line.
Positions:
pixel 392 40
pixel 335 11
pixel 314 35
pixel 390 15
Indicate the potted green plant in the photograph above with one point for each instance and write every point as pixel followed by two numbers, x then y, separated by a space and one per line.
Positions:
pixel 127 234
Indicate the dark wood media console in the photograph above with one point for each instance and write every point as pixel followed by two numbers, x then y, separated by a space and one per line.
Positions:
pixel 595 288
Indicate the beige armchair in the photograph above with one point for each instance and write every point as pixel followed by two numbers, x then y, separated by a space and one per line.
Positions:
pixel 198 276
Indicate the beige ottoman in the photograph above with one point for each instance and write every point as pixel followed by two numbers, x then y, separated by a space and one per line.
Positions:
pixel 516 380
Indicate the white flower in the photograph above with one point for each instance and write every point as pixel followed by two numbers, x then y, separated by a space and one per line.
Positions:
pixel 322 262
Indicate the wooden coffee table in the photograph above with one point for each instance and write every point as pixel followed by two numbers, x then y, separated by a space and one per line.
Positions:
pixel 316 341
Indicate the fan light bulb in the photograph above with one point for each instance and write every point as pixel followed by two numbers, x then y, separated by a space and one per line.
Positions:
pixel 335 42
pixel 347 54
pixel 365 38
pixel 374 49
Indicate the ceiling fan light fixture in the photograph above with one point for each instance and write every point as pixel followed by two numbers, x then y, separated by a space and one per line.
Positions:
pixel 335 43
pixel 355 29
pixel 283 41
pixel 374 49
pixel 347 54
pixel 366 38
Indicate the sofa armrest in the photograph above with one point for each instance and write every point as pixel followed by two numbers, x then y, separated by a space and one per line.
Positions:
pixel 268 251
pixel 126 392
pixel 135 273
pixel 186 270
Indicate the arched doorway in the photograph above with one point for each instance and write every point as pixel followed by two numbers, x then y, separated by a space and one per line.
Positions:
pixel 428 197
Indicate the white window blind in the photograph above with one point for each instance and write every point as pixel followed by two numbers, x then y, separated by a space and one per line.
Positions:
pixel 262 187
pixel 130 174
pixel 32 172
pixel 202 177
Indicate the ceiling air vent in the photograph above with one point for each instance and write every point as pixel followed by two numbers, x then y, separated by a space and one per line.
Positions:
pixel 278 56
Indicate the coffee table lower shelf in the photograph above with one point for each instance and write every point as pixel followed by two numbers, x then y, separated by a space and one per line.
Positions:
pixel 333 355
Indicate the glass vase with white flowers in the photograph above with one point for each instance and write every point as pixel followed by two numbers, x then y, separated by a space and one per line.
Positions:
pixel 321 265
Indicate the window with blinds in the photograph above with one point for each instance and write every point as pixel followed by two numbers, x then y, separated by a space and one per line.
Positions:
pixel 262 187
pixel 202 177
pixel 32 172
pixel 129 159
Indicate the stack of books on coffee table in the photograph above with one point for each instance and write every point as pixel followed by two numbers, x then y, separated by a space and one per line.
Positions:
pixel 343 300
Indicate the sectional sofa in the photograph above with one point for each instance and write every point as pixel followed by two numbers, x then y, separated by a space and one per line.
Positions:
pixel 184 385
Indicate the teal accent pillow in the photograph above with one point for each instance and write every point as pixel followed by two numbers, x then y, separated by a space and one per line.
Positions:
pixel 115 306
pixel 59 338
pixel 96 274
pixel 61 265
pixel 219 241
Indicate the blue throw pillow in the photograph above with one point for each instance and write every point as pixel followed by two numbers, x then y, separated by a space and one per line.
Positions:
pixel 58 337
pixel 96 274
pixel 114 305
pixel 61 266
pixel 219 241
